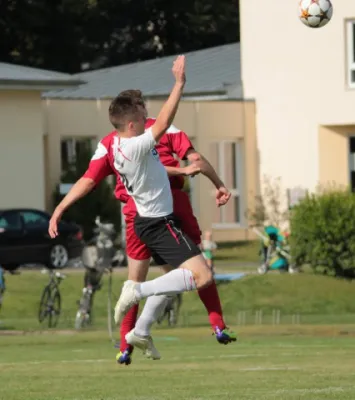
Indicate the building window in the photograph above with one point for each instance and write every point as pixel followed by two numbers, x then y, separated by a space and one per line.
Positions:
pixel 351 53
pixel 72 149
pixel 226 157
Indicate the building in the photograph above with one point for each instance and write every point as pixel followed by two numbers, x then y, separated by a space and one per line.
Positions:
pixel 213 112
pixel 23 161
pixel 303 84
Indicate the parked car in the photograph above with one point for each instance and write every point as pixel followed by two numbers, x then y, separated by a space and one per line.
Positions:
pixel 24 239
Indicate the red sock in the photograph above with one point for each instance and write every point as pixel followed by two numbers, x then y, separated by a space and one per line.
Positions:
pixel 128 323
pixel 210 298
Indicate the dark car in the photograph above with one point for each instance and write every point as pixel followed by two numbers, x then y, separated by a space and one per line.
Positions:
pixel 24 239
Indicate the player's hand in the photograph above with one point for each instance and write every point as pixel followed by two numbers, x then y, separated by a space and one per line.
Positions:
pixel 53 224
pixel 192 170
pixel 222 196
pixel 179 70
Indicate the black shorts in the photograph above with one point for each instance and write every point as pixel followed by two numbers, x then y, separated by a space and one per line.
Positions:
pixel 164 238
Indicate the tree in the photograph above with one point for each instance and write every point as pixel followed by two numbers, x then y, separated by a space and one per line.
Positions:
pixel 64 35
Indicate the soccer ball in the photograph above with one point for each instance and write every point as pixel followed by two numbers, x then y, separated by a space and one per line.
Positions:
pixel 315 13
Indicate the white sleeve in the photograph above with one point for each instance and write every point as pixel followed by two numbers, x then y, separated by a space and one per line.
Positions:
pixel 138 146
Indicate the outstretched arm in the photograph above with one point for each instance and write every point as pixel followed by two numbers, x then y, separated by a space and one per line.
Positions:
pixel 98 169
pixel 81 188
pixel 167 113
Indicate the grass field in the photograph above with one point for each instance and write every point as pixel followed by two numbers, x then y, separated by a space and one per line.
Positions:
pixel 271 364
pixel 316 299
pixel 313 359
pixel 238 252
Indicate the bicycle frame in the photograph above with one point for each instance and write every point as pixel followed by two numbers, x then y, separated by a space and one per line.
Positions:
pixel 97 258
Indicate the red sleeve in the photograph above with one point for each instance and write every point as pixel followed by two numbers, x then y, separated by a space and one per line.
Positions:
pixel 99 167
pixel 180 142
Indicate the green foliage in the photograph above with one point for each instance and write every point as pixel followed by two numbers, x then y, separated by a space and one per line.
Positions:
pixel 100 202
pixel 64 35
pixel 323 232
pixel 270 207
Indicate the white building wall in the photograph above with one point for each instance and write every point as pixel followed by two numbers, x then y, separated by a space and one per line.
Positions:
pixel 298 77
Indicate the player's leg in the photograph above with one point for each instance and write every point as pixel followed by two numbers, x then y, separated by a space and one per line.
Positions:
pixel 138 257
pixel 164 237
pixel 208 295
pixel 137 272
pixel 154 307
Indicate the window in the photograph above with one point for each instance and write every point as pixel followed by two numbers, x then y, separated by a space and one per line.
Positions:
pixel 351 53
pixel 73 149
pixel 10 221
pixel 33 219
pixel 226 157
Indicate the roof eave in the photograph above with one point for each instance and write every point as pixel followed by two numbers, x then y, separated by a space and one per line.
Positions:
pixel 40 85
pixel 148 96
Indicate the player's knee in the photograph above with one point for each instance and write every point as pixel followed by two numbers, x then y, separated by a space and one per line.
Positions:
pixel 205 278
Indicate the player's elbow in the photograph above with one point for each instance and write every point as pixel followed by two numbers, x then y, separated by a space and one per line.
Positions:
pixel 195 157
pixel 88 184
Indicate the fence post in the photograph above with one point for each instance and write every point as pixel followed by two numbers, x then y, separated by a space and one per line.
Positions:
pixel 278 317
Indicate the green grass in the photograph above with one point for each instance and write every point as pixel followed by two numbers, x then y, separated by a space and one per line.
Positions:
pixel 312 365
pixel 238 252
pixel 317 299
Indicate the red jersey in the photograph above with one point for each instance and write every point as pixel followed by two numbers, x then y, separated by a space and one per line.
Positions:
pixel 102 163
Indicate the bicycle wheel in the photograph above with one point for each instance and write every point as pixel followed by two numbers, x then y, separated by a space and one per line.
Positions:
pixel 44 304
pixel 83 317
pixel 55 308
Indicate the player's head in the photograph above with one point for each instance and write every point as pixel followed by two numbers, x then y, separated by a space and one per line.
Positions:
pixel 137 95
pixel 208 235
pixel 127 115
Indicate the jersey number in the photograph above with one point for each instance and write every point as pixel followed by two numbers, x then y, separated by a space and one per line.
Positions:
pixel 125 182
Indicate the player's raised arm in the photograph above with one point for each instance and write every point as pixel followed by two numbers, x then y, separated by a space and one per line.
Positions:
pixel 167 113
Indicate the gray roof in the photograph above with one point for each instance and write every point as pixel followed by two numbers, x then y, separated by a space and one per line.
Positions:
pixel 12 75
pixel 209 72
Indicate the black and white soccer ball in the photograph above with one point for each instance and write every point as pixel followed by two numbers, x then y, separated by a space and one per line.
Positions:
pixel 315 13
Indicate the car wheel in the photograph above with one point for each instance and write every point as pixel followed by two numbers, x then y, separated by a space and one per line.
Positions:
pixel 58 256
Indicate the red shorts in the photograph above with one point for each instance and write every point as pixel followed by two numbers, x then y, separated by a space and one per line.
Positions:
pixel 183 211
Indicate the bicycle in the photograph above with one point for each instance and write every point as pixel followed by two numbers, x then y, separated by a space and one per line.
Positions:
pixel 50 304
pixel 98 257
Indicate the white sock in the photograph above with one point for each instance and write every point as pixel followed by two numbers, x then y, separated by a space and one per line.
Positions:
pixel 152 310
pixel 176 281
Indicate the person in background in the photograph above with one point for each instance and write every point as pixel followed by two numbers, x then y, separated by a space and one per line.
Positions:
pixel 208 248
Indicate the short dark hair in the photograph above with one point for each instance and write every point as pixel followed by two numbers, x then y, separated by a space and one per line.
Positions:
pixel 123 109
pixel 134 93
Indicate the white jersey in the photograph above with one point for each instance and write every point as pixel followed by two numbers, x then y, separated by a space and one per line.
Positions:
pixel 143 175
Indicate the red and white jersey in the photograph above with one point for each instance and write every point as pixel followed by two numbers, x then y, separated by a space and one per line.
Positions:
pixel 144 176
pixel 174 141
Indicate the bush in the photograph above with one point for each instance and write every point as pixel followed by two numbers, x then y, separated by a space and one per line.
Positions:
pixel 100 202
pixel 323 232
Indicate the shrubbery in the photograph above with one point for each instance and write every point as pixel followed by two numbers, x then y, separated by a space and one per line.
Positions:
pixel 323 232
